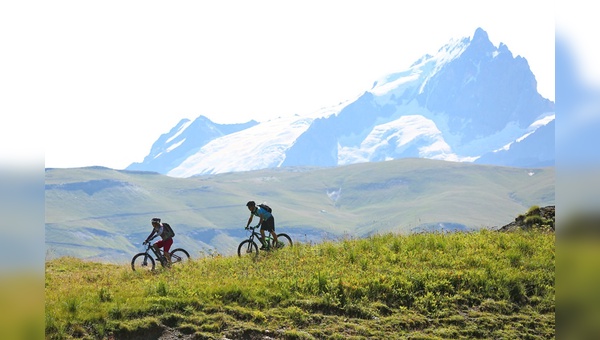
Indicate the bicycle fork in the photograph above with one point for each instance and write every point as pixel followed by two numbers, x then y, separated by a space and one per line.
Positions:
pixel 145 262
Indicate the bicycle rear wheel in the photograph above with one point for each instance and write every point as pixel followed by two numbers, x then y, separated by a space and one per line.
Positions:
pixel 179 255
pixel 284 240
pixel 247 248
pixel 143 261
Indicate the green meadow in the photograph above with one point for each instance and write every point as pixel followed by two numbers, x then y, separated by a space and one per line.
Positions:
pixel 465 285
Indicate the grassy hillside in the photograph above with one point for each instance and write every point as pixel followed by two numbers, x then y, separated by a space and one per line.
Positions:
pixel 477 285
pixel 103 214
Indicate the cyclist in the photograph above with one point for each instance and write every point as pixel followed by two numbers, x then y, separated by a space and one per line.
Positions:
pixel 267 222
pixel 158 229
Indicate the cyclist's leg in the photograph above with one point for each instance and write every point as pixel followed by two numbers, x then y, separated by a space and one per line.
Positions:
pixel 275 240
pixel 262 238
pixel 167 248
pixel 157 245
pixel 270 226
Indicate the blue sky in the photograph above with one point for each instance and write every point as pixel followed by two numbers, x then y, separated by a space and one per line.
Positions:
pixel 108 78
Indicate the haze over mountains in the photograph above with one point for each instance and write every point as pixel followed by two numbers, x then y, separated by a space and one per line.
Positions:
pixel 101 213
pixel 470 102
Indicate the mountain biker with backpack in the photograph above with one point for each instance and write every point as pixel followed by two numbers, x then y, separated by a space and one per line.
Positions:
pixel 267 221
pixel 166 233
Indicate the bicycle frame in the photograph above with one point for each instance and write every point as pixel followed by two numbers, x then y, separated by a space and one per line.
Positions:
pixel 249 246
pixel 256 234
pixel 178 255
pixel 159 254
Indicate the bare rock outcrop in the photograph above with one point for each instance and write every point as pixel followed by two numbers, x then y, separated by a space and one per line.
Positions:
pixel 535 218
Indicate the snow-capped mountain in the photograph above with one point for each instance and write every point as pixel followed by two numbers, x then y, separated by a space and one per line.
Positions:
pixel 470 102
pixel 183 141
pixel 534 149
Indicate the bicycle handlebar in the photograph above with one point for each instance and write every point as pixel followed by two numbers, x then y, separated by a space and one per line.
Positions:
pixel 148 241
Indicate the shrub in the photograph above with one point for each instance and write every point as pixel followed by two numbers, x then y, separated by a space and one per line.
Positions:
pixel 533 220
pixel 533 210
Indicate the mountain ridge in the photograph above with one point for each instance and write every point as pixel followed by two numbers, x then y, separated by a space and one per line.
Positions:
pixel 473 96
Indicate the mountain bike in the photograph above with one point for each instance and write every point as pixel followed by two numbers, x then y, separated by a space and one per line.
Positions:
pixel 249 246
pixel 145 260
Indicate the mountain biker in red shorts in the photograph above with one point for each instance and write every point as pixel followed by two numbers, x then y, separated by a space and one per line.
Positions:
pixel 166 238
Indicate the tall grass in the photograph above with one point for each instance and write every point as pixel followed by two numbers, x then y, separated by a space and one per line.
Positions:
pixel 463 285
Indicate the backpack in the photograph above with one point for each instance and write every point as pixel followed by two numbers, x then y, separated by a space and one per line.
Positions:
pixel 266 207
pixel 168 230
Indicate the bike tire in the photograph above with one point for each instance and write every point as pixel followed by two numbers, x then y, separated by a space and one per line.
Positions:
pixel 143 261
pixel 285 239
pixel 247 248
pixel 179 255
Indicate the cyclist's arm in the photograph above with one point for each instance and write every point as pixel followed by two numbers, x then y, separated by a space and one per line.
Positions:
pixel 150 236
pixel 249 220
pixel 261 220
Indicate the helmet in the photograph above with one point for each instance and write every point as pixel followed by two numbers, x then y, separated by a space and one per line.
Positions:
pixel 250 204
pixel 156 220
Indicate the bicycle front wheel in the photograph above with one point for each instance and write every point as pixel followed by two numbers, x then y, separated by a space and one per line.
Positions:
pixel 179 255
pixel 284 241
pixel 143 261
pixel 247 247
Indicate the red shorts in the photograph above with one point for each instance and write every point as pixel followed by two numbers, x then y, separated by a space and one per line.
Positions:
pixel 165 243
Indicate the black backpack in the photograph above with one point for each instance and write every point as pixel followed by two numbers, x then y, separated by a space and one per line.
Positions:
pixel 168 230
pixel 266 207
